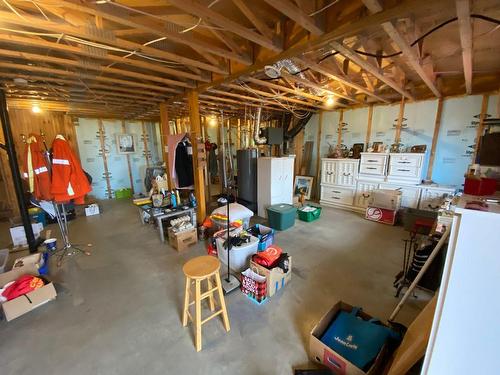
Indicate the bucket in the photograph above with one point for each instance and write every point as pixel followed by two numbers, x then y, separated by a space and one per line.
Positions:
pixel 50 244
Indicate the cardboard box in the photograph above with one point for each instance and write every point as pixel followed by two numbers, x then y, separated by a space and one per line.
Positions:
pixel 380 215
pixel 182 240
pixel 25 303
pixel 276 279
pixel 19 236
pixel 323 354
pixel 92 209
pixel 385 198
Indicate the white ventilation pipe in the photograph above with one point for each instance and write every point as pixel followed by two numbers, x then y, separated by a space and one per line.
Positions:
pixel 258 140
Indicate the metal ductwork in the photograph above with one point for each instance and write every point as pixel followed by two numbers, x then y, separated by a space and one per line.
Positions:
pixel 274 71
pixel 256 137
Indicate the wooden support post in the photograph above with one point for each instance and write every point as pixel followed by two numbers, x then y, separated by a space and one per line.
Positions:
pixel 299 149
pixel 164 134
pixel 145 142
pixel 178 127
pixel 339 130
pixel 318 154
pixel 435 136
pixel 480 126
pixel 238 135
pixel 399 124
pixel 199 185
pixel 104 157
pixel 369 126
pixel 124 131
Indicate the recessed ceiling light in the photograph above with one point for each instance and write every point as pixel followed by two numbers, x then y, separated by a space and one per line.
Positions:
pixel 330 101
pixel 35 108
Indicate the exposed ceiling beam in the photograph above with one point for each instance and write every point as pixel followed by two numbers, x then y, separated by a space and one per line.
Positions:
pixel 355 58
pixel 256 21
pixel 182 38
pixel 465 28
pixel 315 86
pixel 200 10
pixel 274 86
pixel 295 13
pixel 85 33
pixel 240 104
pixel 346 80
pixel 92 66
pixel 374 6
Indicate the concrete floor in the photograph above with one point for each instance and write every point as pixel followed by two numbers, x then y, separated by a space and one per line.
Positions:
pixel 119 310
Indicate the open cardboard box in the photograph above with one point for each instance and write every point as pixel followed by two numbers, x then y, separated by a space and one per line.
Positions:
pixel 182 240
pixel 276 279
pixel 30 301
pixel 325 355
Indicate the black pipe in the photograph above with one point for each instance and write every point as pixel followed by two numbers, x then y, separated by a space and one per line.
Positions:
pixel 16 175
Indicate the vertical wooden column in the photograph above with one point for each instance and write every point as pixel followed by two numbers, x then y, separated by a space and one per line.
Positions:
pixel 145 142
pixel 399 124
pixel 369 126
pixel 104 157
pixel 178 127
pixel 480 126
pixel 298 143
pixel 205 129
pixel 238 135
pixel 164 134
pixel 124 130
pixel 199 185
pixel 318 154
pixel 437 126
pixel 339 130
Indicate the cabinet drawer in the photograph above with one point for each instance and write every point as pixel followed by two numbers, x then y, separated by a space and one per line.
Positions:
pixel 373 159
pixel 337 195
pixel 375 169
pixel 404 171
pixel 406 160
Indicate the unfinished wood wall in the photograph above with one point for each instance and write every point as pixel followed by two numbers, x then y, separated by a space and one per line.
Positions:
pixel 24 121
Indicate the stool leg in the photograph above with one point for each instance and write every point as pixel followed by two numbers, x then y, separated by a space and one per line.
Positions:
pixel 186 302
pixel 222 302
pixel 198 315
pixel 211 296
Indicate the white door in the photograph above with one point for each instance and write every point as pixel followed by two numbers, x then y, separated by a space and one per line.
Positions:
pixel 276 165
pixel 363 193
pixel 287 165
pixel 328 172
pixel 346 173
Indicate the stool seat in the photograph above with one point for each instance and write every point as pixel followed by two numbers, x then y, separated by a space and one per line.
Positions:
pixel 201 267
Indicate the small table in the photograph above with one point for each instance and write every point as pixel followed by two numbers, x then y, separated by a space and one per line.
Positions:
pixel 161 214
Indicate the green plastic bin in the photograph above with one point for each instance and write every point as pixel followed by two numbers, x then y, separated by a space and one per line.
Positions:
pixel 123 193
pixel 281 216
pixel 309 215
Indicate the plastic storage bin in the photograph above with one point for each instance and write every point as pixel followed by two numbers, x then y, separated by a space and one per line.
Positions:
pixel 123 193
pixel 308 214
pixel 264 234
pixel 240 255
pixel 4 257
pixel 281 216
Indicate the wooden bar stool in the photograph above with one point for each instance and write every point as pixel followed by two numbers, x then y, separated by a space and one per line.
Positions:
pixel 197 270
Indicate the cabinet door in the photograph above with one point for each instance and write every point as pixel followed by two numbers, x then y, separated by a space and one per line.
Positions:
pixel 431 199
pixel 276 179
pixel 363 193
pixel 346 173
pixel 287 180
pixel 328 172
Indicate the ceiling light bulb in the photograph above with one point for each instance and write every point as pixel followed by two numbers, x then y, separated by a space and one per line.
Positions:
pixel 36 108
pixel 212 121
pixel 330 101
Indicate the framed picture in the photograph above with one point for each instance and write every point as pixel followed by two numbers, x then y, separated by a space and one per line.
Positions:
pixel 125 143
pixel 303 185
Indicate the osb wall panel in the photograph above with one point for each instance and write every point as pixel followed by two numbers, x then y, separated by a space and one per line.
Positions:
pixel 25 122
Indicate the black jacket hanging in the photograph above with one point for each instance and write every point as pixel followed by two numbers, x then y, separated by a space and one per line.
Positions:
pixel 184 164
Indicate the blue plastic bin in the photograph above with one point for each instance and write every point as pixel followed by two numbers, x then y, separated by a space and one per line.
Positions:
pixel 264 234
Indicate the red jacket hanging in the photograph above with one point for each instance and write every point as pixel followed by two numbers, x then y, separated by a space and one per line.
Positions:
pixel 68 180
pixel 35 169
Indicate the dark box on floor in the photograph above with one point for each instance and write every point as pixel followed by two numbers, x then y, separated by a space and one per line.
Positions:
pixel 30 301
pixel 321 353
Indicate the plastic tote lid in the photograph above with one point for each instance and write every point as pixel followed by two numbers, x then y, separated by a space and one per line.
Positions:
pixel 282 207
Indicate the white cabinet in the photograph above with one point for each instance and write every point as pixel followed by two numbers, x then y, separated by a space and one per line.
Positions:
pixel 405 167
pixel 373 166
pixel 274 182
pixel 410 194
pixel 363 193
pixel 338 181
pixel 431 197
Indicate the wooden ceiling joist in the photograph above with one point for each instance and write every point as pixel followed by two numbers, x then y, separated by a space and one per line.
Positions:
pixel 294 91
pixel 362 63
pixel 375 6
pixel 252 17
pixel 87 34
pixel 465 29
pixel 205 13
pixel 295 13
